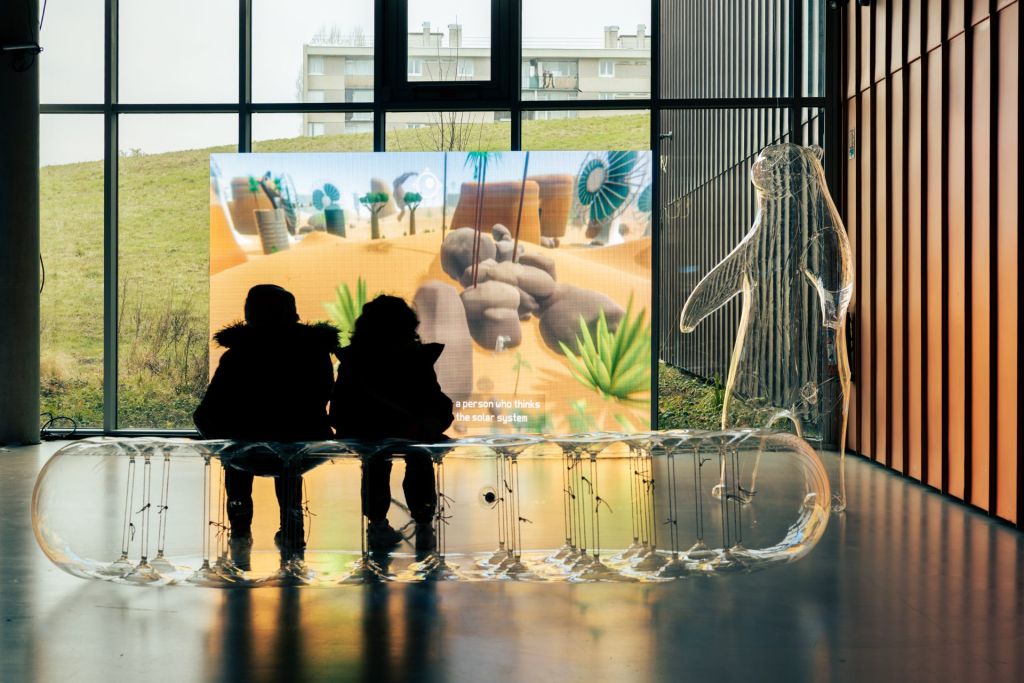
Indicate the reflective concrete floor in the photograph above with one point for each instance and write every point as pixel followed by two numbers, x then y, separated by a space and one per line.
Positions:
pixel 905 586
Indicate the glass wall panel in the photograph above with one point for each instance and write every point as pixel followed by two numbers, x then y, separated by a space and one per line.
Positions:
pixel 71 238
pixel 581 49
pixel 449 40
pixel 448 131
pixel 71 67
pixel 183 51
pixel 164 195
pixel 812 55
pixel 741 49
pixel 707 206
pixel 313 132
pixel 570 129
pixel 312 51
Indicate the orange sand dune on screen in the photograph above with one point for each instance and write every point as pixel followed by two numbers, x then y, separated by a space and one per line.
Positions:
pixel 313 269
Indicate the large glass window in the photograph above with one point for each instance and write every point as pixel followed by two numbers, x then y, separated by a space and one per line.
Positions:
pixel 313 132
pixel 311 46
pixel 443 131
pixel 71 69
pixel 584 76
pixel 164 209
pixel 183 51
pixel 449 40
pixel 586 129
pixel 585 47
pixel 71 235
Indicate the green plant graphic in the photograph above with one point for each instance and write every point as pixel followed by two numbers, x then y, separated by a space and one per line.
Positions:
pixel 580 420
pixel 616 364
pixel 625 423
pixel 375 202
pixel 345 309
pixel 412 200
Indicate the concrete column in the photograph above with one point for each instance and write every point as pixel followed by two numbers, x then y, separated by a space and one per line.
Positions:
pixel 19 225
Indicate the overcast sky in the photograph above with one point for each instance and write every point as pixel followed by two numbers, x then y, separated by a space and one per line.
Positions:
pixel 187 51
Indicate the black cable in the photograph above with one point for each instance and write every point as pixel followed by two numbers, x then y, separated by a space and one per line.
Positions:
pixel 42 16
pixel 42 269
pixel 50 432
pixel 24 55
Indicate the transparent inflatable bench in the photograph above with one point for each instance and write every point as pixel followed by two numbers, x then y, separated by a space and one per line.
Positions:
pixel 586 507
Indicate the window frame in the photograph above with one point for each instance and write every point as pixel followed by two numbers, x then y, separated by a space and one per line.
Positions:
pixel 393 92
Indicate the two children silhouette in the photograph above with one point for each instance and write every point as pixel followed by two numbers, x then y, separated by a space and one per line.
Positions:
pixel 273 383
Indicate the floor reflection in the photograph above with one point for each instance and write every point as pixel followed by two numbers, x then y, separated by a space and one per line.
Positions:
pixel 905 586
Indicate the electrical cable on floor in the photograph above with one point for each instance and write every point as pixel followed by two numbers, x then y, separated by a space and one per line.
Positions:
pixel 56 427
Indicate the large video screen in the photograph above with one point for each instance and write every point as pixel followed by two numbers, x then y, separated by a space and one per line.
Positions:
pixel 532 268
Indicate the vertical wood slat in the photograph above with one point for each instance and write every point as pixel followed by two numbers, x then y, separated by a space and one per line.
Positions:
pixel 980 358
pixel 915 278
pixel 865 274
pixel 896 377
pixel 935 386
pixel 956 275
pixel 1007 215
pixel 932 210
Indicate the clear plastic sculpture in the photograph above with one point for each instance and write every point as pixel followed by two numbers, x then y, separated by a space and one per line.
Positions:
pixel 794 271
pixel 586 507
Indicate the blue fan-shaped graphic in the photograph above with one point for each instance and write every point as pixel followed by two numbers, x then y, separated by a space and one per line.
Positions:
pixel 607 184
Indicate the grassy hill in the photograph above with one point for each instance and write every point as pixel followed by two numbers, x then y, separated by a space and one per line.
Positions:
pixel 163 250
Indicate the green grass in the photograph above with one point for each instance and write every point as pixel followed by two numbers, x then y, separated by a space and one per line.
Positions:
pixel 687 402
pixel 163 251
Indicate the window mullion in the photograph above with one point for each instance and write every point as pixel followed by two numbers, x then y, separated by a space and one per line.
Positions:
pixel 110 268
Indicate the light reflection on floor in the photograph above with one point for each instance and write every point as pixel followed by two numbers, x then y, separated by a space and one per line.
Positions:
pixel 905 586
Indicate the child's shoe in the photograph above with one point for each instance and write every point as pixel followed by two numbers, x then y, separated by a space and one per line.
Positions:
pixel 380 536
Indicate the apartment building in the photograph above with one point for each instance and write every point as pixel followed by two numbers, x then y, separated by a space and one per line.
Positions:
pixel 614 66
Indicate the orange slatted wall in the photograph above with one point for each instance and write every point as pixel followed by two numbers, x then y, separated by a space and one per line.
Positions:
pixel 932 210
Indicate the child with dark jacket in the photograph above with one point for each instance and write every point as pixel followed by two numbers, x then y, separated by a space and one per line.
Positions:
pixel 272 384
pixel 387 388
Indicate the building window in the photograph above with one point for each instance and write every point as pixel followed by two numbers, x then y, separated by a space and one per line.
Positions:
pixel 359 95
pixel 562 68
pixel 316 65
pixel 316 129
pixel 358 67
pixel 415 67
pixel 315 96
pixel 606 68
pixel 466 68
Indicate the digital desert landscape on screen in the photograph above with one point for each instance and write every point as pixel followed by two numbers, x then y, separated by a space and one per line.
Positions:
pixel 532 268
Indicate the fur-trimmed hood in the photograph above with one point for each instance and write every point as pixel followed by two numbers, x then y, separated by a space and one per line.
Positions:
pixel 322 336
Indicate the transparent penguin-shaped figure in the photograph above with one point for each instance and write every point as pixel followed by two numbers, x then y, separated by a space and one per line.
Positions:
pixel 794 272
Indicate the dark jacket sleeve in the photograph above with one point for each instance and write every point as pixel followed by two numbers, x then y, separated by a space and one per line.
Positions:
pixel 435 408
pixel 216 418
